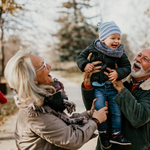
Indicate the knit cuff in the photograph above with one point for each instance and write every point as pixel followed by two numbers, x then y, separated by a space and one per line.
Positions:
pixel 87 87
pixel 96 121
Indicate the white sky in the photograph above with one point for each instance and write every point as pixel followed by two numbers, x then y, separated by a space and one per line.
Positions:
pixel 120 11
pixel 128 15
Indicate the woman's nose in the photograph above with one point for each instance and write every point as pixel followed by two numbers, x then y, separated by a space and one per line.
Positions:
pixel 48 66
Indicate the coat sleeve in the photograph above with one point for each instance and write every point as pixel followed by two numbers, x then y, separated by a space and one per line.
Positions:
pixel 87 96
pixel 137 112
pixel 124 67
pixel 54 130
pixel 82 59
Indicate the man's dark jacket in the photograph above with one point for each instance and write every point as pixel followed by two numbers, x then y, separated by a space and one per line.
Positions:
pixel 108 57
pixel 135 108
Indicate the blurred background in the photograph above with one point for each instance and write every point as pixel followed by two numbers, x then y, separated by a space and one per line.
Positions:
pixel 58 30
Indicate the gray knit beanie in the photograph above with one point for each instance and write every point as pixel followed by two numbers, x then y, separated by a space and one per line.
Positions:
pixel 107 28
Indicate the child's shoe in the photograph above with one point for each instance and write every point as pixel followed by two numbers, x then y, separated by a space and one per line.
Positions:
pixel 119 139
pixel 105 140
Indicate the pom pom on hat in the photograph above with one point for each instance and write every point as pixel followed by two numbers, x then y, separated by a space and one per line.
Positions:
pixel 107 28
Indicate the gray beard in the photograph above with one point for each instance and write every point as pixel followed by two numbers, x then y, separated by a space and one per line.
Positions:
pixel 140 73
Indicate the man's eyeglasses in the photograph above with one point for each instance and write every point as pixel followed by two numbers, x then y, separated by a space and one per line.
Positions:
pixel 44 66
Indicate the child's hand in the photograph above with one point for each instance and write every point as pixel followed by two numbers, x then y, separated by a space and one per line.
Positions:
pixel 113 75
pixel 89 67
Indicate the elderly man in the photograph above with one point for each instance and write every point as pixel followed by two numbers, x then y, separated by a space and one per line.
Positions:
pixel 133 99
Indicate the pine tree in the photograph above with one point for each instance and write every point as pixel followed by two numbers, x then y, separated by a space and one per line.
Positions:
pixel 75 33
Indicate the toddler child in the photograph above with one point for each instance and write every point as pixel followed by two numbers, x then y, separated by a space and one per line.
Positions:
pixel 109 50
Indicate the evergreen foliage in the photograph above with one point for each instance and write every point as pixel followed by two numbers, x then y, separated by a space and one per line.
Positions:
pixel 75 34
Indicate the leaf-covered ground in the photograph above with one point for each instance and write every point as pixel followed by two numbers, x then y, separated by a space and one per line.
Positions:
pixel 6 110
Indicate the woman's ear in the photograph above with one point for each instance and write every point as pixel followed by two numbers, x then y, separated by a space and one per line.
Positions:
pixel 35 81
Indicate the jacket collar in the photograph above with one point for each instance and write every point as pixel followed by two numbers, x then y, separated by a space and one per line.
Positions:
pixel 144 86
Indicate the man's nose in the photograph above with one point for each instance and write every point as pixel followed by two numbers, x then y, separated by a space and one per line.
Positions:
pixel 138 59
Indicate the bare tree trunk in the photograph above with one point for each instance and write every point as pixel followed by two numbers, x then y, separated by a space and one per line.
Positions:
pixel 75 10
pixel 1 32
pixel 2 46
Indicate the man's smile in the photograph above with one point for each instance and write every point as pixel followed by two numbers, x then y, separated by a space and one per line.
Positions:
pixel 136 67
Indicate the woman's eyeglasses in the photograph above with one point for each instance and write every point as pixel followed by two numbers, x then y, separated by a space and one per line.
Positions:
pixel 44 66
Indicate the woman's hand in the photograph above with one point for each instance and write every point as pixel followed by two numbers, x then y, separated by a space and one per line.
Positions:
pixel 87 76
pixel 118 85
pixel 93 107
pixel 101 114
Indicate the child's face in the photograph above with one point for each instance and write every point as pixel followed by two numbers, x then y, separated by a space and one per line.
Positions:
pixel 113 41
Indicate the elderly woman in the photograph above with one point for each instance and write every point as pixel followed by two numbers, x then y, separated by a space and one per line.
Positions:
pixel 37 127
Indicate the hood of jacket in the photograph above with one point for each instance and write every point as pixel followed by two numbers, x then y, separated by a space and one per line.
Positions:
pixel 100 46
pixel 144 86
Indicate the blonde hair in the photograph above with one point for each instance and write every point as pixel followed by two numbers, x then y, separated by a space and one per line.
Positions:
pixel 20 74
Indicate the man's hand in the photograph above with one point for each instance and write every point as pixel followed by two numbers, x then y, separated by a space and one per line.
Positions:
pixel 87 75
pixel 89 67
pixel 118 85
